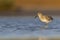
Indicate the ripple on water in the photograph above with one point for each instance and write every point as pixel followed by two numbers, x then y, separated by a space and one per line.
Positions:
pixel 28 25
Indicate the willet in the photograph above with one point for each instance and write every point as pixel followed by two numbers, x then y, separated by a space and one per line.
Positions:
pixel 44 18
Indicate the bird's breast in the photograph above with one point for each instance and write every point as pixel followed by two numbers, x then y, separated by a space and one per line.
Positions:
pixel 44 19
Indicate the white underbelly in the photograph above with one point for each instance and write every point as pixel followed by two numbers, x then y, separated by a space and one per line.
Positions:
pixel 44 20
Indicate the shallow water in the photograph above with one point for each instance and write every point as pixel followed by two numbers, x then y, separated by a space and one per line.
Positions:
pixel 27 26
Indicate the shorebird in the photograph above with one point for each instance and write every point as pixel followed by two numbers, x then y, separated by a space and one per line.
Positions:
pixel 44 18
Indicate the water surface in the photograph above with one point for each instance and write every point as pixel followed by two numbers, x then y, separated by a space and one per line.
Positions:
pixel 26 26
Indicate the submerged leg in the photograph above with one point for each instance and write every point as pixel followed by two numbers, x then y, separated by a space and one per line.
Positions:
pixel 46 26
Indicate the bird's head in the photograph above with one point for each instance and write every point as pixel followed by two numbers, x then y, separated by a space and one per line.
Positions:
pixel 38 14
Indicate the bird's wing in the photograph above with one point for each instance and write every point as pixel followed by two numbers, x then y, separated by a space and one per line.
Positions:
pixel 49 18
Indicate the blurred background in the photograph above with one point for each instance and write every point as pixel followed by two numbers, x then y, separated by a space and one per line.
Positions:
pixel 17 18
pixel 29 7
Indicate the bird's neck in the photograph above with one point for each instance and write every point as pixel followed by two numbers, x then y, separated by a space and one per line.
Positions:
pixel 40 16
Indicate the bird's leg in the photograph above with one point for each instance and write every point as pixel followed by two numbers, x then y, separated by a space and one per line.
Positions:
pixel 46 25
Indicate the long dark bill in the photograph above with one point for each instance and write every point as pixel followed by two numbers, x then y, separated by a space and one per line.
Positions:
pixel 35 16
